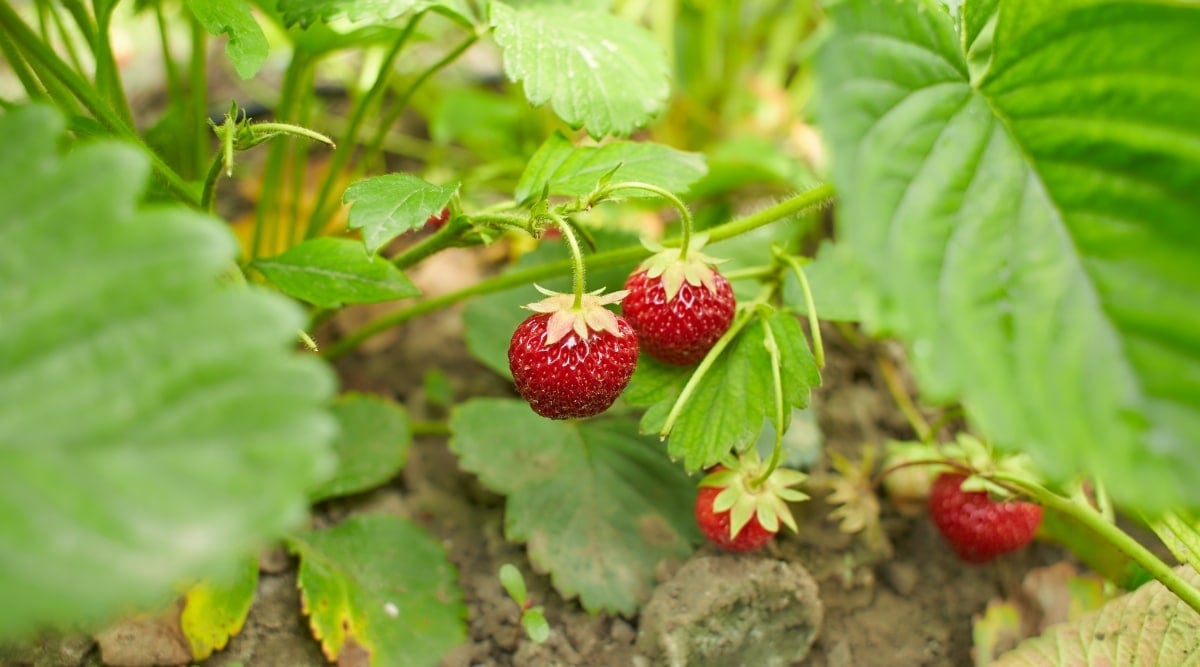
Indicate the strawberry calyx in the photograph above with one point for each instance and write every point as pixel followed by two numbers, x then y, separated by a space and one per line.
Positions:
pixel 566 317
pixel 676 267
pixel 745 495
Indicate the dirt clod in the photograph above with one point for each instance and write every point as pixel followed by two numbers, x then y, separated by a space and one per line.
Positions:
pixel 726 610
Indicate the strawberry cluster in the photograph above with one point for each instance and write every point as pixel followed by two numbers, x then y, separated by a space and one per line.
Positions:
pixel 572 360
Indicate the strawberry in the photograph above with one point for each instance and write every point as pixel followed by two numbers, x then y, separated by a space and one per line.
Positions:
pixel 977 527
pixel 679 307
pixel 572 362
pixel 736 514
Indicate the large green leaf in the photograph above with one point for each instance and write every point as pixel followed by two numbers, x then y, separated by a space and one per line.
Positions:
pixel 1031 232
pixel 152 423
pixel 599 506
pixel 307 12
pixel 247 48
pixel 383 584
pixel 597 71
pixel 562 168
pixel 371 446
pixel 329 272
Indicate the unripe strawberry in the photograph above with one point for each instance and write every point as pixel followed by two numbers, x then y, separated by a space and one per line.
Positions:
pixel 572 362
pixel 739 512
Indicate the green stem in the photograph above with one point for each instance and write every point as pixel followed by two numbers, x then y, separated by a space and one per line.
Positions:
pixel 83 20
pixel 1092 519
pixel 685 216
pixel 267 212
pixel 579 271
pixel 739 323
pixel 33 87
pixel 108 77
pixel 349 139
pixel 295 130
pixel 895 387
pixel 44 57
pixel 777 392
pixel 208 197
pixel 752 273
pixel 402 103
pixel 429 428
pixel 814 324
pixel 617 257
pixel 196 103
pixel 444 238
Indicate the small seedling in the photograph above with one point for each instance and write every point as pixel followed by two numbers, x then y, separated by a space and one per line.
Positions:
pixel 532 618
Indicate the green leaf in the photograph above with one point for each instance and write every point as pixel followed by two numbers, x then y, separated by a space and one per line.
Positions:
pixel 1032 234
pixel 307 12
pixel 1150 626
pixel 575 170
pixel 654 382
pixel 534 622
pixel 513 583
pixel 385 207
pixel 153 423
pixel 711 424
pixel 597 71
pixel 329 272
pixel 247 47
pixel 599 507
pixel 371 446
pixel 384 584
pixel 214 611
pixel 837 284
pixel 490 321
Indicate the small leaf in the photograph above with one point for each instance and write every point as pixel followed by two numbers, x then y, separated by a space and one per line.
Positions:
pixel 561 168
pixel 329 272
pixel 214 611
pixel 385 585
pixel 534 622
pixel 371 446
pixel 513 583
pixel 1150 626
pixel 385 207
pixel 710 424
pixel 599 507
pixel 148 415
pixel 596 70
pixel 247 48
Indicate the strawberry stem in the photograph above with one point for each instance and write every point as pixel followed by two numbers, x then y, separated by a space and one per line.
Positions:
pixel 578 268
pixel 777 392
pixel 1089 517
pixel 685 216
pixel 814 325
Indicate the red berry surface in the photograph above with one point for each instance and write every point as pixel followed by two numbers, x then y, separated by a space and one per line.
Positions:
pixel 573 377
pixel 680 331
pixel 439 219
pixel 715 525
pixel 977 527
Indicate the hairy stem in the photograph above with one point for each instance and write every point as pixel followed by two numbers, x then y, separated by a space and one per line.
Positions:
pixel 778 417
pixel 814 323
pixel 685 216
pixel 579 270
pixel 1091 518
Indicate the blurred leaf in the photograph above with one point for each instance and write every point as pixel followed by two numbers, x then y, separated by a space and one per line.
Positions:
pixel 371 446
pixel 599 507
pixel 572 170
pixel 534 622
pixel 998 630
pixel 596 70
pixel 214 611
pixel 329 272
pixel 1029 229
pixel 513 583
pixel 747 159
pixel 710 424
pixel 385 207
pixel 247 47
pixel 307 12
pixel 837 282
pixel 152 423
pixel 1150 626
pixel 385 585
pixel 493 126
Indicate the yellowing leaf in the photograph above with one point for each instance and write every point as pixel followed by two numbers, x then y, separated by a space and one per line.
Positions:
pixel 215 611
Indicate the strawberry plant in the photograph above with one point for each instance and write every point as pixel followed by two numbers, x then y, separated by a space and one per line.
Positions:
pixel 183 282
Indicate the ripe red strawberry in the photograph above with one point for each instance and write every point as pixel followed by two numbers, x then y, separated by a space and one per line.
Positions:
pixel 736 516
pixel 977 527
pixel 570 362
pixel 679 307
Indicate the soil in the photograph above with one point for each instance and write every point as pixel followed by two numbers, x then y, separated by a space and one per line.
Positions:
pixel 900 599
